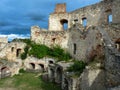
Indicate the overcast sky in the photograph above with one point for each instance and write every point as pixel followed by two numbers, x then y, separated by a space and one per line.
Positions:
pixel 17 16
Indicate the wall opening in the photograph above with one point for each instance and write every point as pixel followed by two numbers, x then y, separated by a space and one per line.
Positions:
pixel 75 21
pixel 84 22
pixel 75 47
pixel 41 67
pixel 109 15
pixel 58 75
pixel 12 49
pixel 5 72
pixel 52 77
pixel 66 84
pixel 110 18
pixel 32 66
pixel 18 52
pixel 53 40
pixel 64 24
pixel 50 62
pixel 117 44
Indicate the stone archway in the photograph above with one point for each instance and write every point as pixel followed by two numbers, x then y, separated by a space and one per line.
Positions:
pixel 66 84
pixel 40 67
pixel 58 78
pixel 64 24
pixel 5 72
pixel 32 66
pixel 51 75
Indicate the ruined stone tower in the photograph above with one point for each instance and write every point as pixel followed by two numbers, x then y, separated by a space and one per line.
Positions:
pixel 59 18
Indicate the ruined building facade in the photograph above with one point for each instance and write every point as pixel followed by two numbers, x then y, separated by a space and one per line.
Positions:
pixel 90 34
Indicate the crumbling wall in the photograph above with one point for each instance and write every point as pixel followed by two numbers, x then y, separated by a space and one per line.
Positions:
pixel 92 79
pixel 83 43
pixel 12 51
pixel 59 18
pixel 3 40
pixel 90 13
pixel 112 55
pixel 37 65
pixel 116 11
pixel 49 38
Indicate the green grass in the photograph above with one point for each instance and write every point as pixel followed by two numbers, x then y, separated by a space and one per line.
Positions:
pixel 27 81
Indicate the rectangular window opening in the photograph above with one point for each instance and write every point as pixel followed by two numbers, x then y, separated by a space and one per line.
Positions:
pixel 75 47
pixel 110 18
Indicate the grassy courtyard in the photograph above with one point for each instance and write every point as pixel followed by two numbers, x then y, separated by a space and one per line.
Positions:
pixel 26 81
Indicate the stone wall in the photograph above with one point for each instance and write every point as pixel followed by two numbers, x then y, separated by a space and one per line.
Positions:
pixel 57 21
pixel 35 64
pixel 3 40
pixel 112 55
pixel 116 11
pixel 83 44
pixel 49 38
pixel 12 51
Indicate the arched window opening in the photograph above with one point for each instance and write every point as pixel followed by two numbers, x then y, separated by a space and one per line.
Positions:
pixel 64 24
pixel 109 15
pixel 84 22
pixel 53 40
pixel 12 49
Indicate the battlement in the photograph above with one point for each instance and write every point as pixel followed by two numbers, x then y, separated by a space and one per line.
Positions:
pixel 60 8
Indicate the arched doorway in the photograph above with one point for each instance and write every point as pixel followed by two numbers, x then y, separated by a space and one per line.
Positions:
pixel 66 84
pixel 64 23
pixel 32 66
pixel 41 67
pixel 5 72
pixel 51 75
pixel 58 78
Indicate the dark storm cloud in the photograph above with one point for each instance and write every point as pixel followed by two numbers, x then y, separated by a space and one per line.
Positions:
pixel 36 17
pixel 3 23
pixel 17 16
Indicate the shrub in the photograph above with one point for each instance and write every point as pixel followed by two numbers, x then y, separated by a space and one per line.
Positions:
pixel 59 53
pixel 77 67
pixel 22 71
pixel 24 54
pixel 39 51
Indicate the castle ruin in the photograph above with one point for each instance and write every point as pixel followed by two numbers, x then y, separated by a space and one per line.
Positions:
pixel 89 33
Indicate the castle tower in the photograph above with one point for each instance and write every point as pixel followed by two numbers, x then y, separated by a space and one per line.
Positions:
pixel 58 21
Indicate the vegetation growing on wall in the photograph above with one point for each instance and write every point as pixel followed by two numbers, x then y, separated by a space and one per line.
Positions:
pixel 77 67
pixel 40 51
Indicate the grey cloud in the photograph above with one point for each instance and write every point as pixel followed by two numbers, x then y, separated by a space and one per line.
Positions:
pixel 36 17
